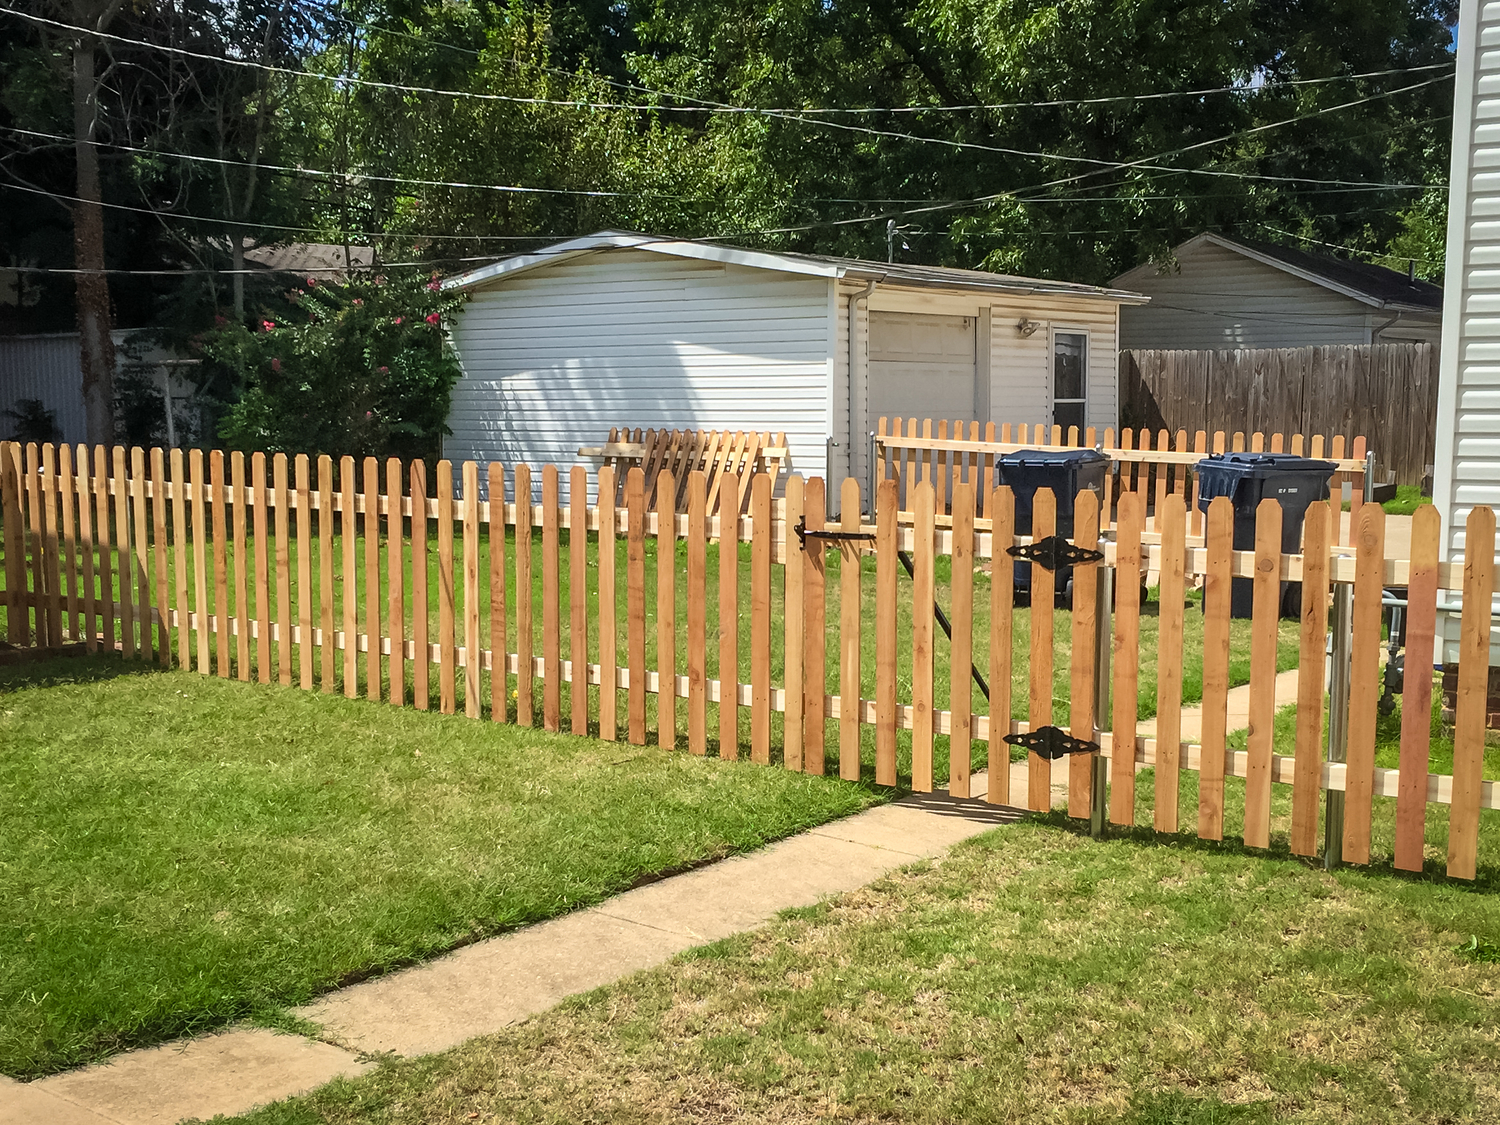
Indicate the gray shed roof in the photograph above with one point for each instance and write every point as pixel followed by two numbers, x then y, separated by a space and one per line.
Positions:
pixel 855 269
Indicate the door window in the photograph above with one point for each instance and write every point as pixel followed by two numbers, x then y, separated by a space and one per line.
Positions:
pixel 1069 384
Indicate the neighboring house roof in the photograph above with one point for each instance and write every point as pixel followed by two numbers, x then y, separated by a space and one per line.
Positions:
pixel 855 269
pixel 1369 284
pixel 301 257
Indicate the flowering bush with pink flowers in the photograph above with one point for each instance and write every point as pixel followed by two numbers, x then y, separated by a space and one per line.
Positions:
pixel 356 367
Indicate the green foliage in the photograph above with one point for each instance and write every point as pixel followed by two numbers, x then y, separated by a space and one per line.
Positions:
pixel 30 420
pixel 362 367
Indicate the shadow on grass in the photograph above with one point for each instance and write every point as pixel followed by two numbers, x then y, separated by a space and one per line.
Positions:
pixel 71 670
pixel 1486 879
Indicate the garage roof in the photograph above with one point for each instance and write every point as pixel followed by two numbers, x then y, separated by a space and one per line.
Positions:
pixel 817 265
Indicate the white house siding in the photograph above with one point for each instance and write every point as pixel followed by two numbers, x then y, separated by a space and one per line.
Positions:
pixel 1018 368
pixel 1220 299
pixel 557 356
pixel 1467 469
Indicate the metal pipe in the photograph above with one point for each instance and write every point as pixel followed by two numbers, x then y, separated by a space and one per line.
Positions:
pixel 942 619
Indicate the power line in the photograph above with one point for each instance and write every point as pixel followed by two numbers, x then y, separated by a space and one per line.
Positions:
pixel 704 104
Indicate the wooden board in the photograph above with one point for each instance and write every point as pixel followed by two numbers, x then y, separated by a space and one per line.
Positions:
pixel 499 680
pixel 814 630
pixel 961 648
pixel 885 632
pixel 219 518
pixel 551 604
pixel 126 555
pixel 1216 587
pixel 472 645
pixel 372 579
pixel 1416 697
pixel 794 575
pixel 1364 682
pixel 1311 689
pixel 302 471
pixel 1472 699
pixel 851 555
pixel 102 536
pixel 1265 621
pixel 52 550
pixel 262 522
pixel 526 675
pixel 729 621
pixel 447 597
pixel 279 472
pixel 760 619
pixel 608 699
pixel 666 611
pixel 635 603
pixel 1125 690
pixel 182 557
pixel 923 589
pixel 578 598
pixel 349 573
pixel 88 541
pixel 697 613
pixel 1039 707
pixel 71 625
pixel 1082 689
pixel 1002 507
pixel 17 629
pixel 327 525
pixel 395 566
pixel 421 651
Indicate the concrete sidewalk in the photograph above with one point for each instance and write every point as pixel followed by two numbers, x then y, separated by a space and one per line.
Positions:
pixel 492 984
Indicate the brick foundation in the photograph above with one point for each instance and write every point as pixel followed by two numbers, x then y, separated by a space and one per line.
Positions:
pixel 1492 696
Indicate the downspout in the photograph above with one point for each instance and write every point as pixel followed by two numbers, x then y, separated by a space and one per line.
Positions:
pixel 854 299
pixel 1376 332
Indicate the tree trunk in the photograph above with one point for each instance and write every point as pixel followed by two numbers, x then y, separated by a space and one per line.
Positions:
pixel 96 349
pixel 237 257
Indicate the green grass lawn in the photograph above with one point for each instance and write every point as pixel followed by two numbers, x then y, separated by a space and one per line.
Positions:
pixel 1034 975
pixel 1192 662
pixel 177 852
pixel 1408 499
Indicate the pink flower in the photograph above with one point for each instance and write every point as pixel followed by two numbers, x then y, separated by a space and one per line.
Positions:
pixel 398 320
pixel 385 370
pixel 433 318
pixel 435 285
pixel 359 300
pixel 369 413
pixel 276 365
pixel 312 282
pixel 267 325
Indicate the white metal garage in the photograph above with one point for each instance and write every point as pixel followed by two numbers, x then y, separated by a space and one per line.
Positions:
pixel 620 329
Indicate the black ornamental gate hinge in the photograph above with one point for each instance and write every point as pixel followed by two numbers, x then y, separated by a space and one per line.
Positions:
pixel 1055 552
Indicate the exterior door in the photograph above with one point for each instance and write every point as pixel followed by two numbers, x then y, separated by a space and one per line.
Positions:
pixel 921 366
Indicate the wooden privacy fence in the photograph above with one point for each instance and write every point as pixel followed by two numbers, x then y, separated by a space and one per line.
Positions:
pixel 1140 461
pixel 157 554
pixel 1389 389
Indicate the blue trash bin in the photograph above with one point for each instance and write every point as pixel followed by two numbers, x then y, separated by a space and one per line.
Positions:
pixel 1247 479
pixel 1067 472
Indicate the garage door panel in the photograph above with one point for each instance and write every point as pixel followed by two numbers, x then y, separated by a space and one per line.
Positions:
pixel 922 366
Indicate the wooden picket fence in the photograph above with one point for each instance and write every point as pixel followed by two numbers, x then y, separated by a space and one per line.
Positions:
pixel 156 553
pixel 1152 464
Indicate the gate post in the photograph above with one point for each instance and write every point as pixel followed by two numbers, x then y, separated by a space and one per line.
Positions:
pixel 1339 656
pixel 1103 636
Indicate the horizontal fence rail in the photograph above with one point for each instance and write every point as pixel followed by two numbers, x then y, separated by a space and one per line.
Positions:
pixel 1154 463
pixel 810 639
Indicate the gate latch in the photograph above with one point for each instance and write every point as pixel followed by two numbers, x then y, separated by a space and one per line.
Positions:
pixel 804 533
pixel 1052 742
pixel 1055 552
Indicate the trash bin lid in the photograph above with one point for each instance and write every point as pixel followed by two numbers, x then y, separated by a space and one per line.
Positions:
pixel 1223 474
pixel 1040 458
pixel 1255 464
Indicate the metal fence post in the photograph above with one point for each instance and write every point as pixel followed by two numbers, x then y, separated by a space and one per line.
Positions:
pixel 1339 652
pixel 1103 636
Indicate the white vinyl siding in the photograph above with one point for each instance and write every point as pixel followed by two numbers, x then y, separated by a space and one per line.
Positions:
pixel 1021 366
pixel 557 356
pixel 1217 298
pixel 1467 460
